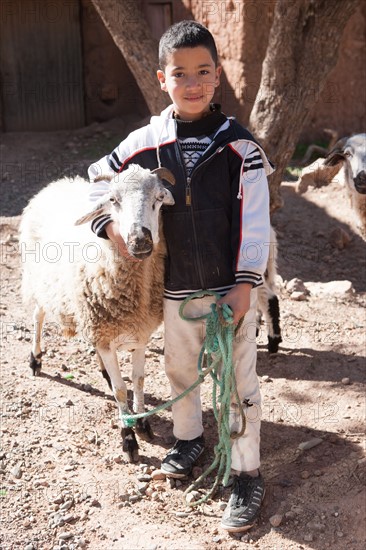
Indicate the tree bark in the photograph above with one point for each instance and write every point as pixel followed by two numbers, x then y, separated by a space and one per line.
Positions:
pixel 130 32
pixel 302 49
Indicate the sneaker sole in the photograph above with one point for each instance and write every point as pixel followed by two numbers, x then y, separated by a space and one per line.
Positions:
pixel 237 529
pixel 173 475
pixel 232 529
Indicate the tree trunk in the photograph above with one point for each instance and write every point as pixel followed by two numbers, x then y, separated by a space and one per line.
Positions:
pixel 302 49
pixel 130 32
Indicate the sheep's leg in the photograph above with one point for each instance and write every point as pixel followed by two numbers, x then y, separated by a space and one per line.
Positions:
pixel 269 305
pixel 138 367
pixel 108 357
pixel 35 361
pixel 103 370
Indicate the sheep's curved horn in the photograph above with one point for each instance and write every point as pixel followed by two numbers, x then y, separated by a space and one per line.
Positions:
pixel 164 174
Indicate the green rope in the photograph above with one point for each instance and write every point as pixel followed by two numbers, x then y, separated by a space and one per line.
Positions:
pixel 217 349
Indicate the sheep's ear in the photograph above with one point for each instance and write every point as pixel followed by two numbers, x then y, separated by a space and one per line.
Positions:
pixel 334 158
pixel 164 174
pixel 168 198
pixel 336 155
pixel 98 211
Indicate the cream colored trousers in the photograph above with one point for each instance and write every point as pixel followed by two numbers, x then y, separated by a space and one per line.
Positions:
pixel 183 341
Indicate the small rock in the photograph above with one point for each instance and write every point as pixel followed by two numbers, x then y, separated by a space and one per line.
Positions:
pixel 308 537
pixel 66 505
pixel 276 520
pixel 68 518
pixel 134 498
pixel 181 514
pixel 17 472
pixel 296 285
pixel 171 482
pixel 298 296
pixel 266 378
pixel 142 486
pixel 305 474
pixel 158 475
pixel 222 505
pixel 217 538
pixel 190 498
pixel 29 547
pixel 65 535
pixel 346 381
pixel 333 288
pixel 306 445
pixel 339 238
pixel 69 403
pixel 144 477
pixel 340 534
pixel 95 503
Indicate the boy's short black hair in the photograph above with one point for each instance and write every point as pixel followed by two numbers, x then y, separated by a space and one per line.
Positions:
pixel 185 34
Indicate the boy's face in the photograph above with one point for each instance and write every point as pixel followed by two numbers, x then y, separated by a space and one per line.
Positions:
pixel 190 79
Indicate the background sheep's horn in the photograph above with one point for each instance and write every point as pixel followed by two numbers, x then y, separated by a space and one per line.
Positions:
pixel 164 174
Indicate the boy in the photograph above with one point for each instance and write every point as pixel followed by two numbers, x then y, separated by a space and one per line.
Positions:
pixel 217 236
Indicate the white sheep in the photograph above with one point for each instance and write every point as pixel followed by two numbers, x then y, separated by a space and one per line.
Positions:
pixel 87 287
pixel 348 159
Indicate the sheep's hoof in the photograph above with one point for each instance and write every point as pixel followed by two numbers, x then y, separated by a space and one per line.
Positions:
pixel 143 429
pixel 129 444
pixel 273 343
pixel 35 363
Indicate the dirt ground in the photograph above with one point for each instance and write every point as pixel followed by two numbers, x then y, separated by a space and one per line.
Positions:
pixel 64 481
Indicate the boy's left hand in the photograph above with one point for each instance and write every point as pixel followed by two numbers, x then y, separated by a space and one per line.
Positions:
pixel 238 298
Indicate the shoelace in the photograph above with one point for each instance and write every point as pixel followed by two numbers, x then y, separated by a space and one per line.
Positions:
pixel 240 492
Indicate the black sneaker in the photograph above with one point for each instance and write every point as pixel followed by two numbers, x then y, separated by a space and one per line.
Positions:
pixel 244 505
pixel 180 459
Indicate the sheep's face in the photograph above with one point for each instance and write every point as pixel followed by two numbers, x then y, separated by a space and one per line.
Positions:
pixel 136 197
pixel 351 152
pixel 355 153
pixel 134 201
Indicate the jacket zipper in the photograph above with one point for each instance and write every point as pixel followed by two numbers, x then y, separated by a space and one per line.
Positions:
pixel 189 179
pixel 189 203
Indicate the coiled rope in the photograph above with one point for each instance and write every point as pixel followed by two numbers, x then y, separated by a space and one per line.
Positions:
pixel 216 359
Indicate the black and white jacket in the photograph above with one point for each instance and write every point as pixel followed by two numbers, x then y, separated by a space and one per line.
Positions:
pixel 217 232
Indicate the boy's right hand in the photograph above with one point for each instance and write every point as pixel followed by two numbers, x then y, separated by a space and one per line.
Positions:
pixel 112 230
